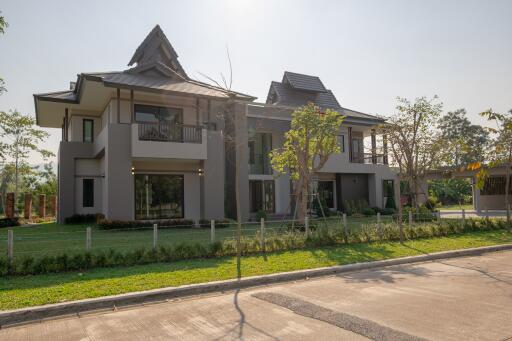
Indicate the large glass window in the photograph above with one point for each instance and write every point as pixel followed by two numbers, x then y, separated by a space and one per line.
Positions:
pixel 159 123
pixel 155 114
pixel 158 196
pixel 262 195
pixel 325 191
pixel 88 130
pixel 260 145
pixel 87 192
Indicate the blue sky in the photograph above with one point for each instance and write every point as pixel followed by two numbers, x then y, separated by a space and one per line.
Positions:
pixel 367 52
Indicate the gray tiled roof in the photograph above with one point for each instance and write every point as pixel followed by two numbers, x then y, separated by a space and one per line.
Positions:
pixel 303 82
pixel 163 84
pixel 292 93
pixel 288 96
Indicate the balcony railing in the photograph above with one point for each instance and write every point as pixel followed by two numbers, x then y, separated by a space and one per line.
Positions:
pixel 368 158
pixel 170 132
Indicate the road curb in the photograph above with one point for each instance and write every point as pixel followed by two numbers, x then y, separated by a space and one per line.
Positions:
pixel 39 313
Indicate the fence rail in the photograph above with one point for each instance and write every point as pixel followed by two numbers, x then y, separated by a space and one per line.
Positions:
pixel 170 132
pixel 38 242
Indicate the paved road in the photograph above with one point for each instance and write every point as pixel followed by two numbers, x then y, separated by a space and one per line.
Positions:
pixel 458 299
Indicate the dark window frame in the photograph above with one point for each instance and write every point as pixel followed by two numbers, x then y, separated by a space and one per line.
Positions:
pixel 83 130
pixel 262 187
pixel 182 195
pixel 342 147
pixel 88 195
pixel 158 107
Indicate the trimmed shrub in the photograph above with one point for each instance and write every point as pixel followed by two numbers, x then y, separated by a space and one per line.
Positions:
pixel 133 224
pixel 369 212
pixel 84 218
pixel 261 214
pixel 9 222
pixel 219 223
pixel 388 211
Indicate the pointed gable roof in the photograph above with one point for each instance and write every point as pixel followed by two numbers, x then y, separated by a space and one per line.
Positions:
pixel 156 52
pixel 303 82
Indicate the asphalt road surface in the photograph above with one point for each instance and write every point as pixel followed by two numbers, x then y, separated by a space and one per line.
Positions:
pixel 458 299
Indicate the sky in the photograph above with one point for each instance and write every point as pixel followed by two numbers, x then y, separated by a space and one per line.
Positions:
pixel 367 52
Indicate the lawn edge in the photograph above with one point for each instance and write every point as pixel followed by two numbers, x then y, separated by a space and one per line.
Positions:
pixel 49 311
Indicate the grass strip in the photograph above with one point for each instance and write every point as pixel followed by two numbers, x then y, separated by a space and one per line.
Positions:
pixel 25 291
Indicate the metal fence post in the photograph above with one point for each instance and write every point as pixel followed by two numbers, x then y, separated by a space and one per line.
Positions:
pixel 438 215
pixel 212 231
pixel 410 217
pixel 10 246
pixel 262 234
pixel 306 225
pixel 155 236
pixel 88 239
pixel 345 227
pixel 463 217
pixel 486 212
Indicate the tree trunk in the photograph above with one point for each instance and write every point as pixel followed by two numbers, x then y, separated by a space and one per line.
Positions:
pixel 302 195
pixel 507 188
pixel 16 171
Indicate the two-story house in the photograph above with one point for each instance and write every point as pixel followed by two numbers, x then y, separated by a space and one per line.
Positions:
pixel 149 142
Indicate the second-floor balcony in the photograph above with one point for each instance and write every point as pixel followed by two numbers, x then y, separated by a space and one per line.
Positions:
pixel 170 132
pixel 369 158
pixel 169 140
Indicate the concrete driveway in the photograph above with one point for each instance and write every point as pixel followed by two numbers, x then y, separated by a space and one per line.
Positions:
pixel 458 299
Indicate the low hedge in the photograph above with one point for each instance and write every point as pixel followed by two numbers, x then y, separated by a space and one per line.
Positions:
pixel 105 224
pixel 84 218
pixel 9 222
pixel 273 242
pixel 219 223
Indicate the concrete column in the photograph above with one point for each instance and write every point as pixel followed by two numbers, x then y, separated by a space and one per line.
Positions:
pixel 385 148
pixel 119 181
pixel 9 203
pixel 42 205
pixel 476 197
pixel 27 207
pixel 374 147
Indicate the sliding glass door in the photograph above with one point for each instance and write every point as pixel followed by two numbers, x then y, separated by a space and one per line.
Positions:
pixel 262 195
pixel 158 196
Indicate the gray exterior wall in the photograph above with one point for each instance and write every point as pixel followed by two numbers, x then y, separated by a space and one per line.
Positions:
pixel 118 178
pixel 68 153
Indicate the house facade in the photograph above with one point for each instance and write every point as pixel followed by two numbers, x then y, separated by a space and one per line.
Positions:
pixel 151 143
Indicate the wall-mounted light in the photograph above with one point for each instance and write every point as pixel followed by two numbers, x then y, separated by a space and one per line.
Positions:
pixel 133 170
pixel 201 172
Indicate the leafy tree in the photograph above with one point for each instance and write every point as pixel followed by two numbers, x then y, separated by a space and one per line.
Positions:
pixel 312 138
pixel 465 143
pixel 23 138
pixel 501 152
pixel 415 143
pixel 450 191
pixel 3 26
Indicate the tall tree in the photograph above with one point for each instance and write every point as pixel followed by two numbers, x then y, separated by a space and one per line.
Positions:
pixel 465 143
pixel 312 138
pixel 20 138
pixel 3 26
pixel 415 143
pixel 501 152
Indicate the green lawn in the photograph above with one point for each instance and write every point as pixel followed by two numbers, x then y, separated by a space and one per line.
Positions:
pixel 52 238
pixel 24 291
